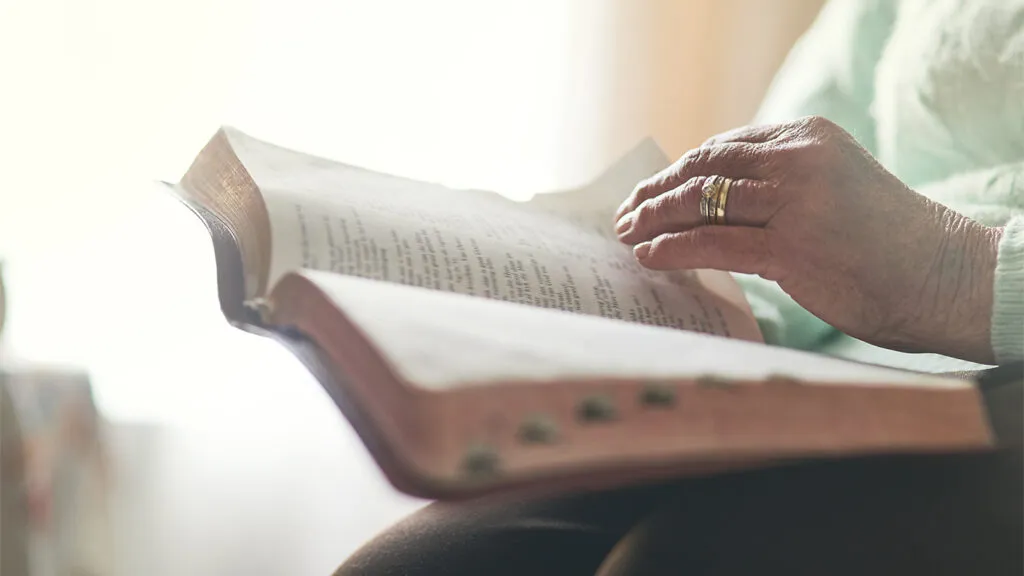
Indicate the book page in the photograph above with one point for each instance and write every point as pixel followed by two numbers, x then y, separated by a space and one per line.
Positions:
pixel 593 206
pixel 333 217
pixel 438 340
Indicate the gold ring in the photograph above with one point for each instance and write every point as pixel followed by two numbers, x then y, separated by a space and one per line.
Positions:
pixel 723 196
pixel 709 192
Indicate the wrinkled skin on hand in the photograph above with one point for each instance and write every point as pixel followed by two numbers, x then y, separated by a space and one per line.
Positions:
pixel 812 210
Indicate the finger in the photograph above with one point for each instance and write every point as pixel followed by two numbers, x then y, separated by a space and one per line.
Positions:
pixel 732 248
pixel 751 134
pixel 733 159
pixel 749 203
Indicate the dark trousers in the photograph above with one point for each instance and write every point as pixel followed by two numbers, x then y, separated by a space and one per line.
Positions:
pixel 929 516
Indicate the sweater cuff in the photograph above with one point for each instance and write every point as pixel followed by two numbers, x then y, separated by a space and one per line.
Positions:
pixel 1008 302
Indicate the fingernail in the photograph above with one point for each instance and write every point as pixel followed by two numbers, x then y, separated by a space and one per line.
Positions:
pixel 641 250
pixel 624 225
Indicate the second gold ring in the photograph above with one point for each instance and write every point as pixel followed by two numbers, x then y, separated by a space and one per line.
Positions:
pixel 722 198
pixel 713 198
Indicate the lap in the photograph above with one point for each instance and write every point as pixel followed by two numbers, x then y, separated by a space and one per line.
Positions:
pixel 929 516
pixel 566 536
pixel 907 516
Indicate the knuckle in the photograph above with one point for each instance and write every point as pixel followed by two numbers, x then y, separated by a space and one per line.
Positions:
pixel 639 194
pixel 823 130
pixel 826 124
pixel 694 184
pixel 672 201
pixel 690 192
pixel 706 154
pixel 650 187
pixel 697 156
pixel 689 156
pixel 644 212
pixel 807 129
pixel 651 210
pixel 664 245
pixel 638 190
pixel 815 121
pixel 655 212
pixel 655 182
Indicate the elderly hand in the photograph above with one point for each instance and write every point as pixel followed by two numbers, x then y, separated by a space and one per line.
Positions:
pixel 809 208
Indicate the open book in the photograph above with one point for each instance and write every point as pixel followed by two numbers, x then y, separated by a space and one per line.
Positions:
pixel 480 344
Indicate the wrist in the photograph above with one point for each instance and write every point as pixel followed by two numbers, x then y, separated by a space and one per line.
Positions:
pixel 960 321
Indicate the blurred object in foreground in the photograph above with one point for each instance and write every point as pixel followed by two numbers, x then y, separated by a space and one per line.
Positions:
pixel 13 513
pixel 65 484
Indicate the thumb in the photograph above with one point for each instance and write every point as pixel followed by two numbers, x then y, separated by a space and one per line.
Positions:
pixel 732 248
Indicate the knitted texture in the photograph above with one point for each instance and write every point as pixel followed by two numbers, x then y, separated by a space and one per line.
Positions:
pixel 1008 303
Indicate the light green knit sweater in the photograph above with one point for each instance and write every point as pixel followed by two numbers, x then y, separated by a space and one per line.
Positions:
pixel 935 90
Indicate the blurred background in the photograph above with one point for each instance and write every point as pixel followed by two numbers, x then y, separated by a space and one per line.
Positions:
pixel 214 451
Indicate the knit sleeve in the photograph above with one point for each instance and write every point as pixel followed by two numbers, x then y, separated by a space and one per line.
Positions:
pixel 1008 301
